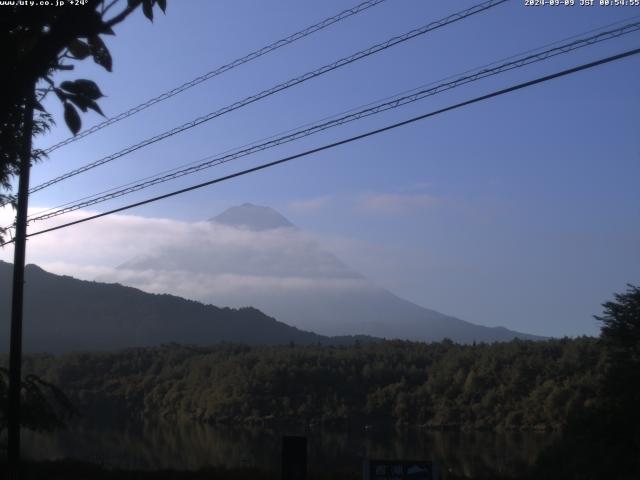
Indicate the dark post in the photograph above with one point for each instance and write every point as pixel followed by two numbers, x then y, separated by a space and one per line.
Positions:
pixel 15 347
pixel 294 458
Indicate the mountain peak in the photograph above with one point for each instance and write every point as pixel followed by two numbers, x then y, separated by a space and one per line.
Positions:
pixel 252 217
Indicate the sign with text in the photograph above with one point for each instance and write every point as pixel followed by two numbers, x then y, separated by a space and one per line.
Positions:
pixel 399 470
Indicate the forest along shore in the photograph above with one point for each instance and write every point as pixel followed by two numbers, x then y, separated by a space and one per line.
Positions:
pixel 517 385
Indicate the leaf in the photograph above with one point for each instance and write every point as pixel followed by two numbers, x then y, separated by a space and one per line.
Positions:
pixel 79 49
pixel 79 102
pixel 83 103
pixel 100 53
pixel 147 9
pixel 89 89
pixel 68 86
pixel 95 107
pixel 163 5
pixel 60 94
pixel 91 23
pixel 86 88
pixel 38 106
pixel 72 118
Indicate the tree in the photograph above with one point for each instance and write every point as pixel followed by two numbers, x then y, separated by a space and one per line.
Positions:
pixel 621 325
pixel 36 43
pixel 603 439
pixel 45 407
pixel 620 336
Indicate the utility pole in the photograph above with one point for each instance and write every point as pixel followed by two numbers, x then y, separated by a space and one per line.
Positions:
pixel 15 347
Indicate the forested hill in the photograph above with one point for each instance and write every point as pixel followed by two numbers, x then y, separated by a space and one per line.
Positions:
pixel 514 385
pixel 65 314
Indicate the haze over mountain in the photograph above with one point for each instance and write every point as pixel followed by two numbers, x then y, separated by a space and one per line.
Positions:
pixel 270 264
pixel 64 314
pixel 253 217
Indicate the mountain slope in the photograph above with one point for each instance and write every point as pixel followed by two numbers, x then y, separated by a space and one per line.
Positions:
pixel 268 263
pixel 63 314
pixel 251 216
pixel 377 312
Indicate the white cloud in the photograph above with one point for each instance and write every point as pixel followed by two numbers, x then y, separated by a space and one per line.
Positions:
pixel 202 260
pixel 100 242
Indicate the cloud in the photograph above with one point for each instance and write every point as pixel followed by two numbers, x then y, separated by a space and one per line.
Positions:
pixel 394 203
pixel 227 288
pixel 100 242
pixel 201 260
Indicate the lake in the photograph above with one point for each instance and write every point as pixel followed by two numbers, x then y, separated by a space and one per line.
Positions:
pixel 191 446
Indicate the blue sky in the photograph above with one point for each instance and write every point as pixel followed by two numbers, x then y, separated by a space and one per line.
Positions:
pixel 521 211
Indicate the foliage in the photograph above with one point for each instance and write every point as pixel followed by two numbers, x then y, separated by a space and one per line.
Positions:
pixel 604 442
pixel 621 386
pixel 514 385
pixel 36 43
pixel 621 339
pixel 44 406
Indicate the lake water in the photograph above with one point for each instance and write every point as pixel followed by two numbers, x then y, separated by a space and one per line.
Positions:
pixel 190 446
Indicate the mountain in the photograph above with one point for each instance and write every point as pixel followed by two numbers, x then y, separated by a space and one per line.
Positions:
pixel 253 217
pixel 252 255
pixel 64 314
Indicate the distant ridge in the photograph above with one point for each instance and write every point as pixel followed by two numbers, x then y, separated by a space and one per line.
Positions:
pixel 65 314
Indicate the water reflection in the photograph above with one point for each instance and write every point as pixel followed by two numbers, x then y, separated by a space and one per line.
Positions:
pixel 190 446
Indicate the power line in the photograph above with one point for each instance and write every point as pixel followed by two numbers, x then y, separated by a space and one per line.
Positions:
pixel 220 70
pixel 215 160
pixel 280 87
pixel 308 124
pixel 496 93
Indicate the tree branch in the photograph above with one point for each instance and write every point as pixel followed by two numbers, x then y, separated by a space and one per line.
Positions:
pixel 123 15
pixel 106 9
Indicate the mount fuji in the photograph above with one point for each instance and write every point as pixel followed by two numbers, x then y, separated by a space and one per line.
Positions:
pixel 251 255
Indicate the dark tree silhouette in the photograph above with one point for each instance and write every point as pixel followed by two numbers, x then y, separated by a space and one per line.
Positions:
pixel 45 407
pixel 621 340
pixel 621 328
pixel 36 43
pixel 603 441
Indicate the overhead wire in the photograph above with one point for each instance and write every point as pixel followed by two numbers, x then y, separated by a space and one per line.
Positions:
pixel 292 135
pixel 220 70
pixel 353 109
pixel 478 8
pixel 370 133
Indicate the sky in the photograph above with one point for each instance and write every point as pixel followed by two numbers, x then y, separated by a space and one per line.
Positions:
pixel 521 211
